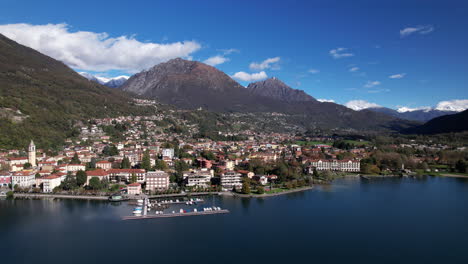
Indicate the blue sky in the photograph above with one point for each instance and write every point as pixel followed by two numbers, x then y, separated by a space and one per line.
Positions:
pixel 340 50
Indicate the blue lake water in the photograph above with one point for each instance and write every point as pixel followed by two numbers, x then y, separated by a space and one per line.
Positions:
pixel 380 221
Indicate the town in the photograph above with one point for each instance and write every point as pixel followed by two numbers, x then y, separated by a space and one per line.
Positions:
pixel 137 155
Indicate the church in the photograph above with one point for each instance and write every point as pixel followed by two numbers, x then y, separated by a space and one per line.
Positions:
pixel 32 154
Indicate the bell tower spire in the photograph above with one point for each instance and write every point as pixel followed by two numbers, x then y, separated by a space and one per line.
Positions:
pixel 32 154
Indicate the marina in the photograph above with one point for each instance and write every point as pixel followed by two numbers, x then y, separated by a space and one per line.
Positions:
pixel 144 206
pixel 166 215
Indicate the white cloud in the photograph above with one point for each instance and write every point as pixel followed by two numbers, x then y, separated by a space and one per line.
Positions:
pixel 354 69
pixel 326 100
pixel 397 76
pixel 216 60
pixel 404 109
pixel 249 77
pixel 371 84
pixel 266 64
pixel 417 29
pixel 229 51
pixel 96 51
pixel 453 105
pixel 314 71
pixel 339 53
pixel 359 105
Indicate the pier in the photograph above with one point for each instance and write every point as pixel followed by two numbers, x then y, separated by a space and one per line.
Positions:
pixel 222 211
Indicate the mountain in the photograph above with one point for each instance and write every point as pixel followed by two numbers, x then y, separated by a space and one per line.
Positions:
pixel 443 124
pixel 276 89
pixel 41 98
pixel 109 82
pixel 116 82
pixel 192 84
pixel 422 115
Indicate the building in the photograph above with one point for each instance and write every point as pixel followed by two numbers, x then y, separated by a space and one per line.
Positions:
pixel 134 189
pixel 265 156
pixel 104 164
pixel 32 154
pixel 198 178
pixel 168 152
pixel 75 167
pixel 50 182
pixel 24 179
pixel 335 165
pixel 17 164
pixel 118 175
pixel 99 173
pixel 231 179
pixel 262 179
pixel 157 181
pixel 5 179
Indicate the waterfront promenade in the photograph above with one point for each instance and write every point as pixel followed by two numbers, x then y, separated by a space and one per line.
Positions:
pixel 60 196
pixel 105 198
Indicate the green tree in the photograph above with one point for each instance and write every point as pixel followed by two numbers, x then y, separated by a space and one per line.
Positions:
pixel 27 165
pixel 461 166
pixel 133 179
pixel 180 167
pixel 146 162
pixel 315 174
pixel 161 165
pixel 91 164
pixel 81 178
pixel 110 150
pixel 125 164
pixel 260 190
pixel 75 159
pixel 245 187
pixel 208 155
pixel 69 183
pixel 37 175
pixel 95 183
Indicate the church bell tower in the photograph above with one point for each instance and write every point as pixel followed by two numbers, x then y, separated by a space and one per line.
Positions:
pixel 32 154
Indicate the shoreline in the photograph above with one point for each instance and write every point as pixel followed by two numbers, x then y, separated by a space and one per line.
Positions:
pixel 270 194
pixel 454 175
pixel 106 198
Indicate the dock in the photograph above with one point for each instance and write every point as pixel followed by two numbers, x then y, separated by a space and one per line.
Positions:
pixel 222 211
pixel 169 202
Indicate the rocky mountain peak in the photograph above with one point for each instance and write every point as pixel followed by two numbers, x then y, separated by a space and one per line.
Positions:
pixel 276 89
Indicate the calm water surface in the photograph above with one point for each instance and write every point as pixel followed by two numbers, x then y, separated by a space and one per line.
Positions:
pixel 381 221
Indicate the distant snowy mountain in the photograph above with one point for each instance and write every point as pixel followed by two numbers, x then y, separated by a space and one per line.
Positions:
pixel 116 81
pixel 417 114
pixel 109 82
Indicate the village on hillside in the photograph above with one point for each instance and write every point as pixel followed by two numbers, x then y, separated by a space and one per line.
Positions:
pixel 133 155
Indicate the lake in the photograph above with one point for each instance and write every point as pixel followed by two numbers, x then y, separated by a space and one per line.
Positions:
pixel 352 221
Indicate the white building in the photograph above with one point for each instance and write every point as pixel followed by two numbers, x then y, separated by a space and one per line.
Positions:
pixel 75 167
pixel 24 179
pixel 50 182
pixel 168 152
pixel 157 180
pixel 198 178
pixel 335 165
pixel 231 179
pixel 134 189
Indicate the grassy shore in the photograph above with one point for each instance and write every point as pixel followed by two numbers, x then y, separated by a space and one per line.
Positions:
pixel 274 192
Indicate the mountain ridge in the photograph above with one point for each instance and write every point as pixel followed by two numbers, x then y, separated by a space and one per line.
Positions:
pixel 443 124
pixel 192 84
pixel 276 89
pixel 48 97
